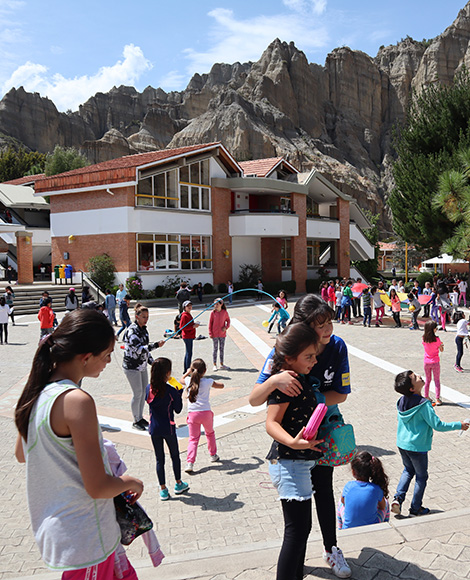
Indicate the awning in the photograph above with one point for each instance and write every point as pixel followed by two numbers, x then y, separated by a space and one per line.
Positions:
pixel 21 196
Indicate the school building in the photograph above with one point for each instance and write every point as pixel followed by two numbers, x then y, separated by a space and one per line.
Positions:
pixel 197 213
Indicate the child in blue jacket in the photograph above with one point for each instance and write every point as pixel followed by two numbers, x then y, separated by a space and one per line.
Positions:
pixel 416 421
pixel 278 310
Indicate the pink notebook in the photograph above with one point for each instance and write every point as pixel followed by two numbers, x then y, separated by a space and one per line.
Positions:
pixel 314 421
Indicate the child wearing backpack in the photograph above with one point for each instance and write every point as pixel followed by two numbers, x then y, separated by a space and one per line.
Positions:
pixel 199 411
pixel 416 421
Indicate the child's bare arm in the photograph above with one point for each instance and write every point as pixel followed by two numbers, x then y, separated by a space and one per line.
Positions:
pixel 277 431
pixel 382 503
pixel 19 452
pixel 217 385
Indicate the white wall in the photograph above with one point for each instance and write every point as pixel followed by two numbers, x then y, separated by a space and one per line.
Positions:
pixel 286 275
pixel 322 229
pixel 245 250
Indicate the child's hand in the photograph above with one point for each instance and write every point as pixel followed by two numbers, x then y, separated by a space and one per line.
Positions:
pixel 300 443
pixel 136 488
pixel 287 383
pixel 465 425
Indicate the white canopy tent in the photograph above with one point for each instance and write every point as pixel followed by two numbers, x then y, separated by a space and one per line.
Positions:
pixel 442 263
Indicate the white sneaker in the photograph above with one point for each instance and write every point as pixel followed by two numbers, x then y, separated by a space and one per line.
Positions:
pixel 395 507
pixel 337 563
pixel 225 367
pixel 215 458
pixel 214 368
pixel 189 467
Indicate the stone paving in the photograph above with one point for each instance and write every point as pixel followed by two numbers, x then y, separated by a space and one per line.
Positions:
pixel 229 524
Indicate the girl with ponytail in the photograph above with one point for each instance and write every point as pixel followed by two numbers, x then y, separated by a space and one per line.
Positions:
pixel 199 411
pixel 364 500
pixel 70 486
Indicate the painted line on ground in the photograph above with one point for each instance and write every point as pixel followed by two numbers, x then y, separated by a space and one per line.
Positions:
pixel 447 392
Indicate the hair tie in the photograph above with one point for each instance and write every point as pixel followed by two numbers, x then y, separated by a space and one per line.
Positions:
pixel 372 458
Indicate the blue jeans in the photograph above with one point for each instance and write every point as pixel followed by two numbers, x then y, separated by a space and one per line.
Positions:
pixel 367 315
pixel 188 356
pixel 292 478
pixel 415 465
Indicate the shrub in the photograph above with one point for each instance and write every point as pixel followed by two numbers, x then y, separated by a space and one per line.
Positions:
pixel 423 278
pixel 274 287
pixel 208 288
pixel 249 275
pixel 159 291
pixel 312 285
pixel 134 287
pixel 102 270
pixel 149 294
pixel 222 288
pixel 172 283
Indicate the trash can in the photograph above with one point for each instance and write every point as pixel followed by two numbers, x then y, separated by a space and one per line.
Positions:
pixel 56 274
pixel 62 271
pixel 68 272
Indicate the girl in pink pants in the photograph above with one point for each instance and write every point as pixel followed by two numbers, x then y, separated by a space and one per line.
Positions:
pixel 432 347
pixel 199 411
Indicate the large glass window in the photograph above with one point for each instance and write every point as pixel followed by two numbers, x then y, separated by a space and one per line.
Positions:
pixel 166 252
pixel 313 253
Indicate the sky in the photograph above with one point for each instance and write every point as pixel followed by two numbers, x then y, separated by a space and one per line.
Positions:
pixel 69 50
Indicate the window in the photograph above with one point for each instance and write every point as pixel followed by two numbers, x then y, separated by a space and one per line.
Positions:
pixel 312 208
pixel 285 253
pixel 187 188
pixel 166 252
pixel 313 253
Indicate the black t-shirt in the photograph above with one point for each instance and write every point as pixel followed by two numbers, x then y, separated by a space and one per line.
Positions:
pixel 296 416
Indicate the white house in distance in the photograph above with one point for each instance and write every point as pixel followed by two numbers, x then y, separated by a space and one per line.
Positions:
pixel 196 212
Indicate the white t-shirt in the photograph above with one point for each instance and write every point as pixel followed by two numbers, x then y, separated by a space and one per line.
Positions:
pixel 462 286
pixel 202 401
pixel 462 327
pixel 4 312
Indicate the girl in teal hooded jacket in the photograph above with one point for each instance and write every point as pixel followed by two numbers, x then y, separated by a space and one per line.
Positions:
pixel 416 422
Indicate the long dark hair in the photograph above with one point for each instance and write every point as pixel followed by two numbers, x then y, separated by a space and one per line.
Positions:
pixel 161 368
pixel 429 334
pixel 291 342
pixel 197 371
pixel 80 332
pixel 366 467
pixel 312 309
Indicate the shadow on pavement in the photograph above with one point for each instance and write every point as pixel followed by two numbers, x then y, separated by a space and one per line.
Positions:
pixel 229 503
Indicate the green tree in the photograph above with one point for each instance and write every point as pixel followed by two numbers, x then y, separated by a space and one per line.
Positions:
pixel 102 270
pixel 453 200
pixel 64 159
pixel 17 163
pixel 436 127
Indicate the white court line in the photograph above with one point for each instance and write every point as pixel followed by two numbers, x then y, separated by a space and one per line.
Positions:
pixel 263 307
pixel 263 348
pixel 447 392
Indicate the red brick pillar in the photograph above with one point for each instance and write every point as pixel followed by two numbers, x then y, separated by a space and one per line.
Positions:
pixel 344 239
pixel 24 257
pixel 221 204
pixel 271 259
pixel 298 243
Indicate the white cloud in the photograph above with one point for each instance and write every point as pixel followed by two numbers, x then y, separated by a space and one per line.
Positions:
pixel 173 81
pixel 244 40
pixel 315 6
pixel 68 93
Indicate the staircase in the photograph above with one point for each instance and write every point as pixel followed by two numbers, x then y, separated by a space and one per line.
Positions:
pixel 27 297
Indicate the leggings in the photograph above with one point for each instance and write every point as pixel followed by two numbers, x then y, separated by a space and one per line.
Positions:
pixel 379 313
pixel 297 526
pixel 218 343
pixel 322 482
pixel 172 443
pixel 396 318
pixel 459 344
pixel 432 369
pixel 138 381
pixel 4 330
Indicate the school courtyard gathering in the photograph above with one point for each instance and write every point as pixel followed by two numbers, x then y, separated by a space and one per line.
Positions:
pixel 235 309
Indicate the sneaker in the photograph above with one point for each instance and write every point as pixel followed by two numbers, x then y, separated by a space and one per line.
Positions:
pixel 438 402
pixel 144 422
pixel 421 512
pixel 395 507
pixel 378 325
pixel 214 368
pixel 458 369
pixel 225 367
pixel 189 468
pixel 164 494
pixel 337 563
pixel 181 487
pixel 215 458
pixel 139 426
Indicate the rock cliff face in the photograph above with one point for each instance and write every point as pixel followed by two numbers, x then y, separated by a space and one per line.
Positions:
pixel 337 117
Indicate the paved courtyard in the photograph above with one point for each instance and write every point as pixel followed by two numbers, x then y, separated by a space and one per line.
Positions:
pixel 229 524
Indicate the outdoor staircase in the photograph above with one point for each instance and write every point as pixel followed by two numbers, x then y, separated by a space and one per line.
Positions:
pixel 27 296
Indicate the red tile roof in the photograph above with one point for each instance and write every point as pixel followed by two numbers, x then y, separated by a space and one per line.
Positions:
pixel 260 167
pixel 137 160
pixel 25 179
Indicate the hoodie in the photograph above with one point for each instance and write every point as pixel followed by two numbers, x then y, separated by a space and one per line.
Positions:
pixel 416 421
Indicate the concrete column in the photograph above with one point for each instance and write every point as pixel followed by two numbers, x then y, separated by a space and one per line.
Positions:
pixel 24 256
pixel 299 243
pixel 221 204
pixel 344 238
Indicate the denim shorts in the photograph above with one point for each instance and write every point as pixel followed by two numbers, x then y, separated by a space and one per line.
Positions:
pixel 292 478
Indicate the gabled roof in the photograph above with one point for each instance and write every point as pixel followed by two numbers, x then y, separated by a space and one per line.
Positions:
pixel 263 167
pixel 26 180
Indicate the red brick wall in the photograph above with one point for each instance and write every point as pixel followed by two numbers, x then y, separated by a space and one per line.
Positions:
pixel 124 196
pixel 344 240
pixel 24 256
pixel 221 203
pixel 271 259
pixel 85 179
pixel 121 247
pixel 299 243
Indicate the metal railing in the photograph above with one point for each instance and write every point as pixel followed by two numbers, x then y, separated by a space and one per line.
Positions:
pixel 86 280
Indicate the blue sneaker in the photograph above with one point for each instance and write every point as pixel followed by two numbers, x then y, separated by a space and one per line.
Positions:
pixel 164 494
pixel 181 487
pixel 423 511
